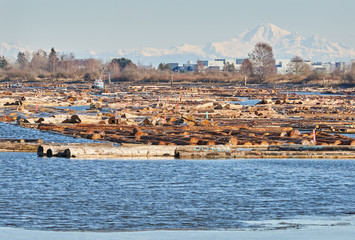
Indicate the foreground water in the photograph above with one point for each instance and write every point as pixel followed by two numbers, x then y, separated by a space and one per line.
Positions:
pixel 127 195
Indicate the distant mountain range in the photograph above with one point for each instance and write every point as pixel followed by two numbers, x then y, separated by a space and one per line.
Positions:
pixel 10 50
pixel 285 46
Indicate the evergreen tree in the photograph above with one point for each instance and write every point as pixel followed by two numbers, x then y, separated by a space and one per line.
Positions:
pixel 164 67
pixel 229 67
pixel 122 62
pixel 52 61
pixel 22 60
pixel 3 62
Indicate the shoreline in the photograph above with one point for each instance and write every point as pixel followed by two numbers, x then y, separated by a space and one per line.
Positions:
pixel 314 233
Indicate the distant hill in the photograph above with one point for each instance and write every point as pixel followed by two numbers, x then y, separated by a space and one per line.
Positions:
pixel 285 46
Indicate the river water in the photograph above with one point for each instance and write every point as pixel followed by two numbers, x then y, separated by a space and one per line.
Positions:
pixel 17 132
pixel 137 195
pixel 128 195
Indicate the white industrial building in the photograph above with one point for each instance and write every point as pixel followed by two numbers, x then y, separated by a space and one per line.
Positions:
pixel 283 66
pixel 212 64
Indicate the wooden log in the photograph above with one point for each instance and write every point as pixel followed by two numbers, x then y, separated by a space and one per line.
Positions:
pixel 104 150
pixel 15 140
pixel 206 152
pixel 297 147
pixel 18 147
pixel 214 151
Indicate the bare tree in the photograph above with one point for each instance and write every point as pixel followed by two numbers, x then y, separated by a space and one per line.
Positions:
pixel 246 69
pixel 66 63
pixel 93 65
pixel 39 60
pixel 115 69
pixel 298 66
pixel 200 67
pixel 263 61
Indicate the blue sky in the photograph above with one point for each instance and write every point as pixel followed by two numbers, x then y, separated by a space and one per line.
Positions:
pixel 75 25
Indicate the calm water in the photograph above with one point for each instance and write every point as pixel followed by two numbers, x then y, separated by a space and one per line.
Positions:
pixel 75 108
pixel 245 101
pixel 127 195
pixel 17 132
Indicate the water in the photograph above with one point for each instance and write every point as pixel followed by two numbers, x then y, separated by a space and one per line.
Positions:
pixel 245 101
pixel 351 135
pixel 85 108
pixel 127 195
pixel 17 132
pixel 75 108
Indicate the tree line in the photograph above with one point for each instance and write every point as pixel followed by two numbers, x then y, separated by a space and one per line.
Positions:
pixel 259 67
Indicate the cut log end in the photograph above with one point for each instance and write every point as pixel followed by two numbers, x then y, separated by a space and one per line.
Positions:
pixel 49 153
pixel 40 151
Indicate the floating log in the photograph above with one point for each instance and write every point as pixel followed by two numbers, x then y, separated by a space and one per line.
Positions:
pixel 18 145
pixel 297 147
pixel 104 150
pixel 217 151
pixel 17 140
pixel 232 152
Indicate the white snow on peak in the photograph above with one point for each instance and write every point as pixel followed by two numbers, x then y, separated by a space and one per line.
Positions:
pixel 285 44
pixel 264 32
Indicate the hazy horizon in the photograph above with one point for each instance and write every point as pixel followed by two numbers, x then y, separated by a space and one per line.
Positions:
pixel 111 25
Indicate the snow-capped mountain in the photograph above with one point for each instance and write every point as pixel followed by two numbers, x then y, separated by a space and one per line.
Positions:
pixel 285 46
pixel 10 50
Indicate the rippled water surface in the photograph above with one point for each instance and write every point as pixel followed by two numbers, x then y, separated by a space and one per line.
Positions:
pixel 17 132
pixel 128 195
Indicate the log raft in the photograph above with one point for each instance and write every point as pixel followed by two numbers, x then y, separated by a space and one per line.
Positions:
pixel 19 145
pixel 241 152
pixel 104 150
pixel 111 151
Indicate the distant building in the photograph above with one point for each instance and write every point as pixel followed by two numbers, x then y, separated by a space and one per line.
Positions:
pixel 283 66
pixel 230 61
pixel 319 67
pixel 189 66
pixel 173 65
pixel 343 66
pixel 331 67
pixel 239 63
pixel 208 64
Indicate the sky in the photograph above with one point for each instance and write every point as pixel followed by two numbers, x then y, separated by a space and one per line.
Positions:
pixel 104 25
